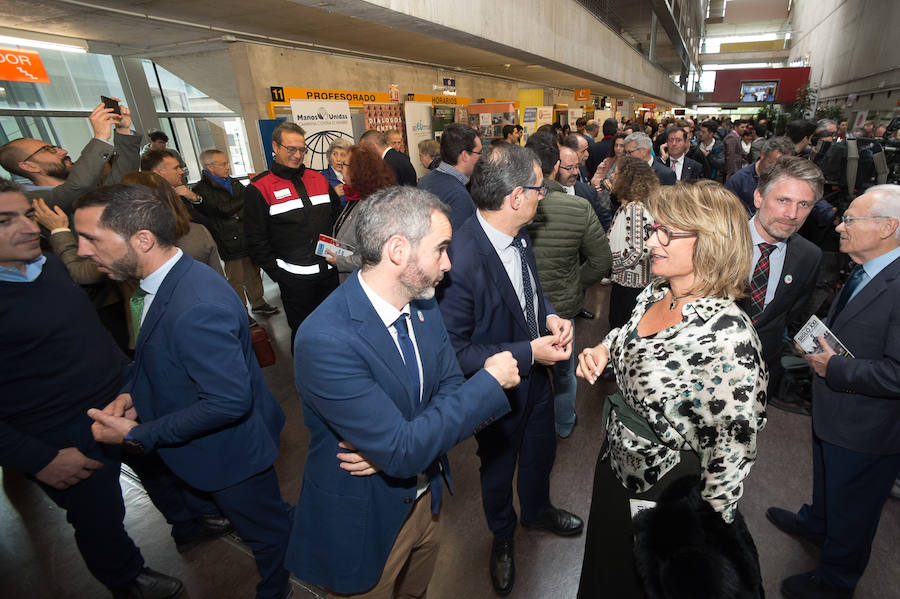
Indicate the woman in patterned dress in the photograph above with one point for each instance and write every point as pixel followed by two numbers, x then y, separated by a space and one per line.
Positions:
pixel 691 377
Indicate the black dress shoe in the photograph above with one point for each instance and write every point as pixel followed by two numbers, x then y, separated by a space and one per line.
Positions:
pixel 808 586
pixel 558 521
pixel 503 566
pixel 150 584
pixel 587 315
pixel 211 527
pixel 786 521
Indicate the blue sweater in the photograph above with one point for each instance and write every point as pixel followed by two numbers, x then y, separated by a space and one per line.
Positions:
pixel 58 361
pixel 451 192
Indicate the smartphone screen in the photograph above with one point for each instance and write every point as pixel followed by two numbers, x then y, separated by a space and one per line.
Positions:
pixel 110 103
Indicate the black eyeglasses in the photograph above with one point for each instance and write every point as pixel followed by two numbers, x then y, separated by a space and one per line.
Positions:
pixel 47 148
pixel 568 168
pixel 293 149
pixel 541 189
pixel 664 234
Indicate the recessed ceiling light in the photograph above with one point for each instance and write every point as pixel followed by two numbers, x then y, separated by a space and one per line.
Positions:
pixel 19 41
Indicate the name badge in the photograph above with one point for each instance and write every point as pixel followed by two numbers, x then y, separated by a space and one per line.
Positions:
pixel 282 193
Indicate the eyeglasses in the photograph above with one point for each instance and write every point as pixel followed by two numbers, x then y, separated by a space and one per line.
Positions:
pixel 218 164
pixel 630 152
pixel 47 148
pixel 568 168
pixel 848 220
pixel 293 149
pixel 541 189
pixel 474 152
pixel 664 234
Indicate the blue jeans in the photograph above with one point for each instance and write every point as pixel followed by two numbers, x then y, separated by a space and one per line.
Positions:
pixel 564 386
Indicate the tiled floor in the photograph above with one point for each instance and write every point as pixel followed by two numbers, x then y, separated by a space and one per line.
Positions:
pixel 38 558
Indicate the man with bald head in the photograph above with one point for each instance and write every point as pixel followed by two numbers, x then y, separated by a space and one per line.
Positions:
pixel 856 415
pixel 60 181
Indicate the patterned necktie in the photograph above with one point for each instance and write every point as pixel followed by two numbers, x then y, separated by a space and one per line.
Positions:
pixel 847 292
pixel 759 281
pixel 409 352
pixel 136 303
pixel 530 317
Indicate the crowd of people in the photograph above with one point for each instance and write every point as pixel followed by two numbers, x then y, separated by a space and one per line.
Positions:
pixel 127 341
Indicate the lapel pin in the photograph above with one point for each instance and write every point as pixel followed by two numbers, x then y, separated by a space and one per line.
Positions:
pixel 788 279
pixel 421 318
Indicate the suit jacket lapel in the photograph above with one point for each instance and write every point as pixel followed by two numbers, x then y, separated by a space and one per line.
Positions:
pixel 499 278
pixel 867 295
pixel 790 265
pixel 372 330
pixel 160 301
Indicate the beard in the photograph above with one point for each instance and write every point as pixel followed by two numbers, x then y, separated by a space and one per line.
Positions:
pixel 125 267
pixel 417 283
pixel 59 170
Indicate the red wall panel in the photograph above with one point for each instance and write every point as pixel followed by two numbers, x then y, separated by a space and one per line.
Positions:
pixel 728 82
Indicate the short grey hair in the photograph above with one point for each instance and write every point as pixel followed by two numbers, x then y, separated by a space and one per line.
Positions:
pixel 641 139
pixel 396 210
pixel 503 168
pixel 206 156
pixel 792 167
pixel 780 144
pixel 887 203
pixel 338 142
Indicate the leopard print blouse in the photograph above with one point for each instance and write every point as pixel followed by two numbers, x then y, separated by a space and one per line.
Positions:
pixel 701 384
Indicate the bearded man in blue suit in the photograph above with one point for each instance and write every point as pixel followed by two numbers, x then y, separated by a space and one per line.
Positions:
pixel 384 400
pixel 196 394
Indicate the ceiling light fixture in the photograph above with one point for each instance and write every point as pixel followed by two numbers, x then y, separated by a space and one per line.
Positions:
pixel 19 41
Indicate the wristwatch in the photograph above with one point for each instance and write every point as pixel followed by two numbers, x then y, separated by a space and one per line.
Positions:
pixel 131 445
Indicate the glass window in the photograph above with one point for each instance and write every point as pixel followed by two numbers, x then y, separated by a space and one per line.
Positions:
pixel 176 94
pixel 76 83
pixel 70 133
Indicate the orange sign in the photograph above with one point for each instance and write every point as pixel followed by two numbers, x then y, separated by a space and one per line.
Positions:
pixel 649 105
pixel 583 94
pixel 22 65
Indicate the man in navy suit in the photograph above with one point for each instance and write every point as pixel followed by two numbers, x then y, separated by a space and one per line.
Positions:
pixel 382 391
pixel 856 415
pixel 677 145
pixel 639 146
pixel 196 394
pixel 493 302
pixel 398 161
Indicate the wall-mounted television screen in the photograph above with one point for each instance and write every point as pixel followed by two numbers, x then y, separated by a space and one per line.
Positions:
pixel 758 91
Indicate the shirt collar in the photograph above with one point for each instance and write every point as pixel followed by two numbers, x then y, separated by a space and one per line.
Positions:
pixel 385 310
pixel 453 172
pixel 152 282
pixel 704 307
pixel 386 150
pixel 876 265
pixel 33 270
pixel 757 238
pixel 498 239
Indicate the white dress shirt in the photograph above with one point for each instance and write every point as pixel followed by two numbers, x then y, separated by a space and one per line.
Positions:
pixel 151 283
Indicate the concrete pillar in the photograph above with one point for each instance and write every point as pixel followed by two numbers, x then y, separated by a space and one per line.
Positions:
pixel 651 56
pixel 137 94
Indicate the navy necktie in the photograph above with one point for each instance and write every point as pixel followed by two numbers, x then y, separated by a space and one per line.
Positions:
pixel 409 352
pixel 530 317
pixel 847 292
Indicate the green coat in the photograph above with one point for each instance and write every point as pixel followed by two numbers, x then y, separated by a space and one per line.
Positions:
pixel 564 232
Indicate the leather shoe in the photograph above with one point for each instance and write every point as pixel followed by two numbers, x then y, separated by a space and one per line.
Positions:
pixel 587 315
pixel 786 521
pixel 809 586
pixel 210 527
pixel 150 584
pixel 557 521
pixel 503 566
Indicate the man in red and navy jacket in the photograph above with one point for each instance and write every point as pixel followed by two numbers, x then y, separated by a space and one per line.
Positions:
pixel 285 210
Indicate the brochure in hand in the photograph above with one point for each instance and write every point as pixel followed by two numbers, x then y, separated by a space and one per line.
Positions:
pixel 330 244
pixel 808 338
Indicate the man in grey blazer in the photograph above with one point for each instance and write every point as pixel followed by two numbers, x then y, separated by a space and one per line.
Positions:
pixel 856 414
pixel 58 180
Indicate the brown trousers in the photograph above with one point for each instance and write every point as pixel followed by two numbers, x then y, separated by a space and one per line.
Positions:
pixel 411 561
pixel 243 276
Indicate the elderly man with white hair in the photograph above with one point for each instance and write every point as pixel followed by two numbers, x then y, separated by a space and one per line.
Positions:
pixel 856 415
pixel 639 145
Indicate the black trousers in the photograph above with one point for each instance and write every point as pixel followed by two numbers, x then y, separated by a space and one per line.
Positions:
pixel 301 294
pixel 95 509
pixel 621 304
pixel 608 568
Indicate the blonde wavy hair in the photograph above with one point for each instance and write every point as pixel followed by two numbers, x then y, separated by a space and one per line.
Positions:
pixel 723 251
